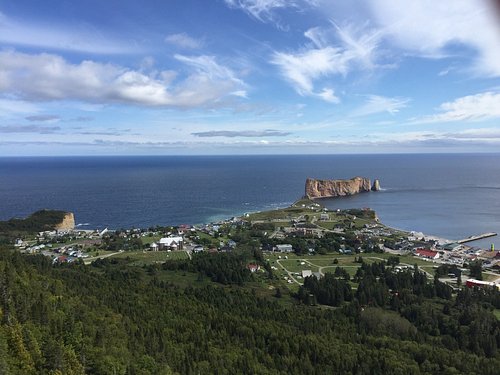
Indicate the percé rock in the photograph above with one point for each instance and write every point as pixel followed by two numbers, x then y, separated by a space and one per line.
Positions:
pixel 336 188
pixel 376 185
pixel 67 223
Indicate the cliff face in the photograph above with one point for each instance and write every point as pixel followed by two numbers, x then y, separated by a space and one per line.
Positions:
pixel 67 223
pixel 376 185
pixel 336 188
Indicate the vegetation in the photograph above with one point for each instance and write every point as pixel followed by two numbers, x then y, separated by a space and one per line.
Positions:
pixel 37 222
pixel 111 318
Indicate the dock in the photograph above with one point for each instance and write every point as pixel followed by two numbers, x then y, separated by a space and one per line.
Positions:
pixel 478 237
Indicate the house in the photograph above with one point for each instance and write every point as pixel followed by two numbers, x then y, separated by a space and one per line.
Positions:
pixel 171 243
pixel 198 249
pixel 453 246
pixel 426 253
pixel 154 246
pixel 284 248
pixel 317 275
pixel 471 283
pixel 253 267
pixel 324 217
pixel 306 273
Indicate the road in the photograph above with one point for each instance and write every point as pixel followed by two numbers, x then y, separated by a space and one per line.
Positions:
pixel 90 260
pixel 288 272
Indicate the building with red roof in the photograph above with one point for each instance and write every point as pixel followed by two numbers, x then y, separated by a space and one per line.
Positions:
pixel 426 253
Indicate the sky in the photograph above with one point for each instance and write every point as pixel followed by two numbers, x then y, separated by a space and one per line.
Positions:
pixel 180 77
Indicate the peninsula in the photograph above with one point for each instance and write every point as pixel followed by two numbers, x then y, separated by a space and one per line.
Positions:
pixel 338 188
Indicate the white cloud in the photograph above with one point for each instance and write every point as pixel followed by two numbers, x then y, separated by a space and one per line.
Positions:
pixel 11 107
pixel 263 10
pixel 476 134
pixel 378 104
pixel 51 77
pixel 241 133
pixel 303 68
pixel 468 108
pixel 328 95
pixel 183 40
pixel 354 47
pixel 429 28
pixel 74 38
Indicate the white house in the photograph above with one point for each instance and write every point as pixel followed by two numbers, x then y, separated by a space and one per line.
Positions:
pixel 171 243
pixel 284 248
pixel 306 273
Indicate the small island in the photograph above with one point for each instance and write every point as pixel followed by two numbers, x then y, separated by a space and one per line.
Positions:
pixel 338 188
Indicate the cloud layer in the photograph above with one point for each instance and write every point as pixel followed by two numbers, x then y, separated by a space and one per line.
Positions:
pixel 242 133
pixel 45 76
pixel 477 107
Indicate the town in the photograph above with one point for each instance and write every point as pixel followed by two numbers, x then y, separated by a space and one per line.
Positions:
pixel 298 241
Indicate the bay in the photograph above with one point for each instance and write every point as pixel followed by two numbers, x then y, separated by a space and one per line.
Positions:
pixel 447 195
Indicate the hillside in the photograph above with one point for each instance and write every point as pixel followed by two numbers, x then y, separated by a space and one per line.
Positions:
pixel 40 221
pixel 113 318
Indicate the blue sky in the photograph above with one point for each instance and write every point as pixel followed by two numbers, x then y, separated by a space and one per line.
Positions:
pixel 248 76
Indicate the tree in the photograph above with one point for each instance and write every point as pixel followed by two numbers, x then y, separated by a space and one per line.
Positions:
pixel 475 269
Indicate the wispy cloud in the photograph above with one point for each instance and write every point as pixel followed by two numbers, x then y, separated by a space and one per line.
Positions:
pixel 428 28
pixel 40 129
pixel 353 47
pixel 51 77
pixel 59 37
pixel 263 10
pixel 378 104
pixel 477 107
pixel 482 139
pixel 82 119
pixel 242 133
pixel 9 107
pixel 183 40
pixel 43 118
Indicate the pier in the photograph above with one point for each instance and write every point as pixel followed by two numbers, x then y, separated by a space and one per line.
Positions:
pixel 478 237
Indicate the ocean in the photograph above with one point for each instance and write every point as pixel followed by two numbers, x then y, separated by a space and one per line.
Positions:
pixel 447 195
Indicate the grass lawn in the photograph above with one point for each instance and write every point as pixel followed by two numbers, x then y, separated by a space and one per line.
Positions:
pixel 295 265
pixel 327 224
pixel 490 277
pixel 148 240
pixel 496 312
pixel 140 258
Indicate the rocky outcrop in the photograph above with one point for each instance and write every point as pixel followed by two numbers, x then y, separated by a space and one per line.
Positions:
pixel 376 185
pixel 336 188
pixel 67 223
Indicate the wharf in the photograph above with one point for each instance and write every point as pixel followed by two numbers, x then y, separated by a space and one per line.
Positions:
pixel 478 237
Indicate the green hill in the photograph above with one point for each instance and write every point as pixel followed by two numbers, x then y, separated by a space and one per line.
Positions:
pixel 39 221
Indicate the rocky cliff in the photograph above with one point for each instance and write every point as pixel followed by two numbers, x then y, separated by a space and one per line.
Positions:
pixel 67 223
pixel 336 188
pixel 376 185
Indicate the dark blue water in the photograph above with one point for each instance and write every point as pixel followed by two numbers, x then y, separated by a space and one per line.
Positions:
pixel 452 196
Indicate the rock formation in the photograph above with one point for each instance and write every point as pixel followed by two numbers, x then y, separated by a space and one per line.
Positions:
pixel 376 185
pixel 336 188
pixel 67 223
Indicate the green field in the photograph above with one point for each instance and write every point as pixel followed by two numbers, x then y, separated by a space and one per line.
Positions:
pixel 140 258
pixel 496 312
pixel 292 263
